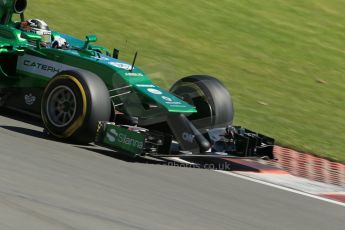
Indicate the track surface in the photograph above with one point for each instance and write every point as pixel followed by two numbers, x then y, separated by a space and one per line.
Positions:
pixel 50 185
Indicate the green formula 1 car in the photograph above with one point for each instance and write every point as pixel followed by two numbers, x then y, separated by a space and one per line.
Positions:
pixel 83 92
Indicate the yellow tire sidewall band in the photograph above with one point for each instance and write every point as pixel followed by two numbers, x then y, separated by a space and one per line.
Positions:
pixel 80 120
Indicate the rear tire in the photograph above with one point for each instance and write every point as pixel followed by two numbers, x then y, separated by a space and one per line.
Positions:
pixel 72 104
pixel 211 99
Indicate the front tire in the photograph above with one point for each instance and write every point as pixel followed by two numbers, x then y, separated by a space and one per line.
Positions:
pixel 72 104
pixel 210 97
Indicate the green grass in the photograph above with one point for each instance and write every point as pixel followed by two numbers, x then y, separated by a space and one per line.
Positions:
pixel 283 61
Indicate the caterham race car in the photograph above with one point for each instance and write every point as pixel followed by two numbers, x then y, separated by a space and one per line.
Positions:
pixel 84 94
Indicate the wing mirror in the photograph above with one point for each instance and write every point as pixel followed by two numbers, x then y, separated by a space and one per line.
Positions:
pixel 89 39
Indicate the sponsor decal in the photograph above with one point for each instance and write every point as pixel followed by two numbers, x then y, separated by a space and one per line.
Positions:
pixel 154 91
pixel 111 135
pixel 122 138
pixel 174 103
pixel 121 65
pixel 168 99
pixel 134 74
pixel 29 99
pixel 125 139
pixel 188 137
pixel 40 66
pixel 145 86
pixel 178 106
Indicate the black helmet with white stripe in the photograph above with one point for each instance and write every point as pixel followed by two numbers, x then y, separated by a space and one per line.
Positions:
pixel 39 27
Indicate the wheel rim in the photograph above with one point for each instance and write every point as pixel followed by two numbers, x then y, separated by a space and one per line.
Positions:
pixel 61 106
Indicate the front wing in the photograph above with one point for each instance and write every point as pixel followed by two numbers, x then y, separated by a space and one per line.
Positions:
pixel 135 141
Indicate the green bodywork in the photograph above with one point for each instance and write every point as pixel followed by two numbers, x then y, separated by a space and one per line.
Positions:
pixel 131 90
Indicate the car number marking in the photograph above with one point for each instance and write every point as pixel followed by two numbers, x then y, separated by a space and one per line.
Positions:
pixel 154 91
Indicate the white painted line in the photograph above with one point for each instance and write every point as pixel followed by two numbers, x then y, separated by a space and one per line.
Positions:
pixel 270 184
pixel 282 188
pixel 179 160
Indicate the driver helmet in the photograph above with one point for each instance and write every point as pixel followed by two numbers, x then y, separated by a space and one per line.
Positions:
pixel 39 27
